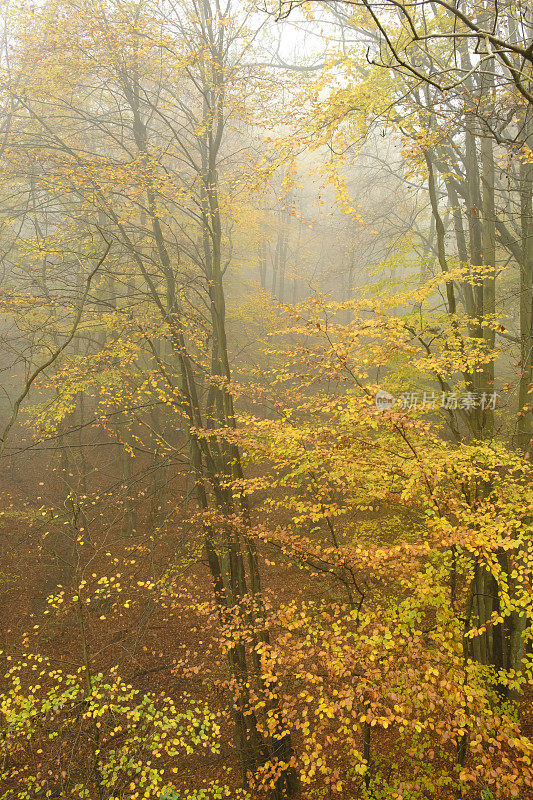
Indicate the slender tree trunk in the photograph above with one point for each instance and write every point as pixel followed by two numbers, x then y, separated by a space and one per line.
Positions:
pixel 525 394
pixel 263 264
pixel 489 280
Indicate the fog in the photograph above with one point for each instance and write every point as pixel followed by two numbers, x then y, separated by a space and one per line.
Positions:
pixel 266 338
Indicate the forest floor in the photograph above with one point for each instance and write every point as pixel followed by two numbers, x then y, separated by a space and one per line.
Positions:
pixel 166 646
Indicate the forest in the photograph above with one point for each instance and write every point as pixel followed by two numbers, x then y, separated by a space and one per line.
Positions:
pixel 266 407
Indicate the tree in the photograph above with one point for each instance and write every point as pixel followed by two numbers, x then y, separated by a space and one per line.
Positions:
pixel 410 36
pixel 175 78
pixel 378 499
pixel 485 93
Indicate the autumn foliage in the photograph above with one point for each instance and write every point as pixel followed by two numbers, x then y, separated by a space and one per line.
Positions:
pixel 266 346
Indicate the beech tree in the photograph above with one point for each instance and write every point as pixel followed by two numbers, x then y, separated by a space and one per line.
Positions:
pixel 270 308
pixel 175 84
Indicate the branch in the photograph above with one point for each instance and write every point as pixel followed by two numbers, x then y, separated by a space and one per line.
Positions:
pixel 53 357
